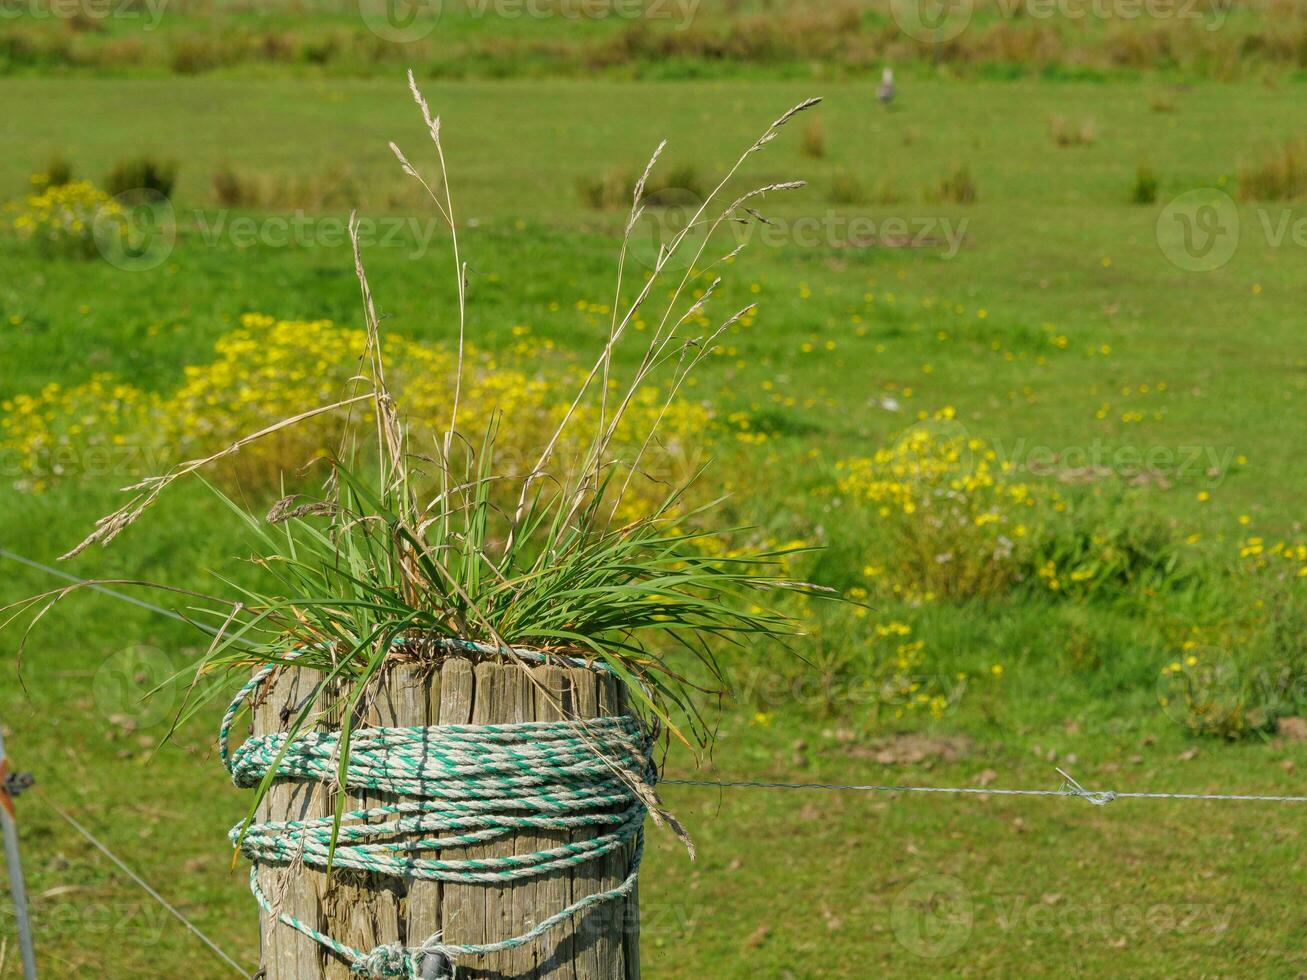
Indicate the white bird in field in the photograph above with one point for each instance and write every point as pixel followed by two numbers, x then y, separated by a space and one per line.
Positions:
pixel 885 90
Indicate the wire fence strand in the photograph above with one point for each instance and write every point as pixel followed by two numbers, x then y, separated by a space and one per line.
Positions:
pixel 1070 788
pixel 141 882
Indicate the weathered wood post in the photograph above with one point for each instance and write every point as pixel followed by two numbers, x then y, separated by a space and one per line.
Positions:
pixel 365 910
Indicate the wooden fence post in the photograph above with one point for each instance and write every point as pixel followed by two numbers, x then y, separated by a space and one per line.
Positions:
pixel 366 910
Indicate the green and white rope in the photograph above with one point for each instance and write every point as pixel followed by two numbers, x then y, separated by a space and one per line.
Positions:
pixel 457 786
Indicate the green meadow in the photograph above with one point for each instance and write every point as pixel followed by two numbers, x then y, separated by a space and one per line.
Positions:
pixel 1042 314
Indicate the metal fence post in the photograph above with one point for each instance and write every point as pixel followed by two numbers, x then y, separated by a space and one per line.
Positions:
pixel 16 887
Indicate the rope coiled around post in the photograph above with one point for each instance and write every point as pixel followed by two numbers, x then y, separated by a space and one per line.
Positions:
pixel 457 786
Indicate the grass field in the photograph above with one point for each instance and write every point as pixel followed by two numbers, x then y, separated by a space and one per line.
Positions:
pixel 1044 313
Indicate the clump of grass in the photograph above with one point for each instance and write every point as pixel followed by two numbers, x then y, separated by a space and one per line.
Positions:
pixel 958 187
pixel 336 187
pixel 813 143
pixel 615 189
pixel 1160 100
pixel 142 176
pixel 1239 677
pixel 1066 132
pixel 422 539
pixel 847 188
pixel 1280 175
pixel 1145 188
pixel 854 666
pixel 195 54
pixel 234 189
pixel 84 22
pixel 57 172
pixel 886 191
pixel 280 46
pixel 606 192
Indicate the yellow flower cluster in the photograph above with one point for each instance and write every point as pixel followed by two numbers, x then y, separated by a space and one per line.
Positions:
pixel 1282 557
pixel 269 370
pixel 1057 579
pixel 958 515
pixel 103 428
pixel 943 517
pixel 61 219
pixel 933 464
pixel 904 689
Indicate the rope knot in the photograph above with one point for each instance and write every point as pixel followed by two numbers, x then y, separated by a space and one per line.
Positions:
pixel 392 960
